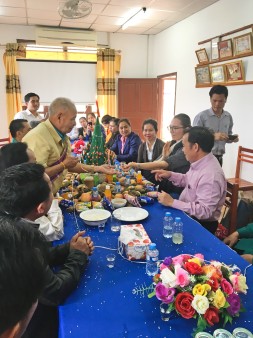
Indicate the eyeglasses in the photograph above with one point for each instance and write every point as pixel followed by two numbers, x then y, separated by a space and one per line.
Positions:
pixel 174 128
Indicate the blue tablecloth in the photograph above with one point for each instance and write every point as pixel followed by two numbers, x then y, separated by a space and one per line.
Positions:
pixel 104 305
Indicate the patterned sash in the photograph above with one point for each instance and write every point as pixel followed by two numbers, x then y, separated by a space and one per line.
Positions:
pixel 62 158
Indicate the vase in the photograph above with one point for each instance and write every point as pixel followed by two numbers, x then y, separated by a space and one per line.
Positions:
pixel 165 311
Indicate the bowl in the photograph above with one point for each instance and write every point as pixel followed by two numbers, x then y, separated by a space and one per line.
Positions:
pixel 119 202
pixel 94 217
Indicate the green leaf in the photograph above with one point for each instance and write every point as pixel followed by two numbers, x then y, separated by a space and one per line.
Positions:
pixel 152 294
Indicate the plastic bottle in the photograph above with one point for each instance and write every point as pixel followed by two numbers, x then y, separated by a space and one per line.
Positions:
pixel 95 196
pixel 114 178
pixel 177 235
pixel 167 225
pixel 152 257
pixel 117 188
pixel 108 193
pixel 96 179
pixel 128 180
pixel 139 177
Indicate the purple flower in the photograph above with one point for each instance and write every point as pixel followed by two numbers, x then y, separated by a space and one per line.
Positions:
pixel 166 295
pixel 167 261
pixel 234 304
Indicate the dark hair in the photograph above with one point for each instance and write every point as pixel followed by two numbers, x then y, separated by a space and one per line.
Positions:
pixel 12 154
pixel 115 120
pixel 106 119
pixel 203 137
pixel 21 270
pixel 22 188
pixel 16 125
pixel 185 120
pixel 29 95
pixel 152 122
pixel 125 120
pixel 219 90
pixel 92 114
pixel 34 123
pixel 82 117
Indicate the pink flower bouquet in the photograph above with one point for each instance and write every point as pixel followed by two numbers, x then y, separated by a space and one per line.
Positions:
pixel 195 288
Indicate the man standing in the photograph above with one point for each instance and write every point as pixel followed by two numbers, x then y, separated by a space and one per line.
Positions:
pixel 217 120
pixel 204 184
pixel 18 129
pixel 52 147
pixel 25 193
pixel 32 102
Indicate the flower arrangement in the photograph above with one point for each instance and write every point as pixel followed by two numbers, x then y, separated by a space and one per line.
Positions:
pixel 195 288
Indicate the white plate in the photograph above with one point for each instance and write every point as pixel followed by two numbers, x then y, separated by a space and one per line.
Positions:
pixel 130 214
pixel 95 216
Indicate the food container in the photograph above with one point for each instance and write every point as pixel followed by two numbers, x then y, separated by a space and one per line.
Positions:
pixel 94 217
pixel 203 335
pixel 240 332
pixel 119 202
pixel 221 333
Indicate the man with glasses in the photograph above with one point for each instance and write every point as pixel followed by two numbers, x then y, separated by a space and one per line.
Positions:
pixel 217 120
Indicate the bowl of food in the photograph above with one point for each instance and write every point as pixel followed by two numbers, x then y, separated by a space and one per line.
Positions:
pixel 119 202
pixel 94 217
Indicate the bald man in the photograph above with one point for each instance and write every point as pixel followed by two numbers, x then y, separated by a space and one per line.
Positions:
pixel 52 147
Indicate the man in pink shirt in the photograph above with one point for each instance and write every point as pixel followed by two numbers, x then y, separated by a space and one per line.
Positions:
pixel 204 184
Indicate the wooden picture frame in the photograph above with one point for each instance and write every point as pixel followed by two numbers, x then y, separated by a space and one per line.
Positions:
pixel 234 72
pixel 202 56
pixel 243 44
pixel 217 74
pixel 225 49
pixel 214 49
pixel 202 74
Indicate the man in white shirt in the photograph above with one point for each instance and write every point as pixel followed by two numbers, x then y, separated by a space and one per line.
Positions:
pixel 32 102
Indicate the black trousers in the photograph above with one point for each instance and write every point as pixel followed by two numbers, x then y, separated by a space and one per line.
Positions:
pixel 211 226
pixel 220 159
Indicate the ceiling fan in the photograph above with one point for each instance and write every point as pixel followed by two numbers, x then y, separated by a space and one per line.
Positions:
pixel 75 9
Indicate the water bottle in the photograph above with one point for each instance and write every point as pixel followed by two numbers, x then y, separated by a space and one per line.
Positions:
pixel 177 235
pixel 117 188
pixel 167 225
pixel 152 260
pixel 128 180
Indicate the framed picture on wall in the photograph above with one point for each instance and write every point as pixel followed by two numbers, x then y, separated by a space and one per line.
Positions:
pixel 202 55
pixel 214 49
pixel 217 74
pixel 234 71
pixel 202 75
pixel 243 44
pixel 225 49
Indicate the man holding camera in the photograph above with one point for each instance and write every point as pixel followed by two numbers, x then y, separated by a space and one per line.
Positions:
pixel 217 120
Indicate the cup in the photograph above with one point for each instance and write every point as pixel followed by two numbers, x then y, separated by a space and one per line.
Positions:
pixel 101 227
pixel 115 223
pixel 165 311
pixel 110 258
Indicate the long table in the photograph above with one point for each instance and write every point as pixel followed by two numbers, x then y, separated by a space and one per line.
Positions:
pixel 104 305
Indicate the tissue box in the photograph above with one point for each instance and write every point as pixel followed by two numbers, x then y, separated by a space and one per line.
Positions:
pixel 134 240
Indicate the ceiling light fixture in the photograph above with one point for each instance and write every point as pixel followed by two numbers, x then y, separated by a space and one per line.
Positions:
pixel 134 19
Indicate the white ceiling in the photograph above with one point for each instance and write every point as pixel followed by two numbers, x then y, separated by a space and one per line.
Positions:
pixel 106 15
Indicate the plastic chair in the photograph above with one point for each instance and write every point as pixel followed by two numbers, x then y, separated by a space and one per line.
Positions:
pixel 4 141
pixel 237 184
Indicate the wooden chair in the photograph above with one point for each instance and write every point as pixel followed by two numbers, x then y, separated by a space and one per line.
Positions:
pixel 4 141
pixel 236 184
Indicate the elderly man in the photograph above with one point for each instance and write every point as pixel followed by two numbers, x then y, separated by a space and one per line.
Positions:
pixel 21 275
pixel 32 102
pixel 218 120
pixel 18 129
pixel 25 193
pixel 204 184
pixel 52 147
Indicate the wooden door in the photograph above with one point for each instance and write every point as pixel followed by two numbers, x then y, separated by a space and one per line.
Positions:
pixel 137 101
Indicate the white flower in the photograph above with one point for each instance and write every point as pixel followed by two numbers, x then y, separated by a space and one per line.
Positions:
pixel 168 278
pixel 200 304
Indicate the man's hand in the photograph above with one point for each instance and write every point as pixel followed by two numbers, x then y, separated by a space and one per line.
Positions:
pixel 70 162
pixel 128 166
pixel 232 239
pixel 77 242
pixel 165 199
pixel 248 258
pixel 221 137
pixel 106 169
pixel 90 244
pixel 160 174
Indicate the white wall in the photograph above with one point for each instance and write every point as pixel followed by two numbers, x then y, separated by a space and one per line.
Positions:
pixel 173 50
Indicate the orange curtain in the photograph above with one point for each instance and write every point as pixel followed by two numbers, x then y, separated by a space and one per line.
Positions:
pixel 108 65
pixel 13 90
